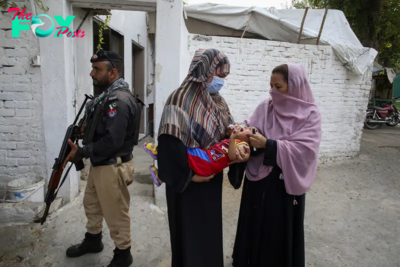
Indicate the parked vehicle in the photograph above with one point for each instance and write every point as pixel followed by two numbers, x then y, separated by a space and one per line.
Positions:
pixel 388 114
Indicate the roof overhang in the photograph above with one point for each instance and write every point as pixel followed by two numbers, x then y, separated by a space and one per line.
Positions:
pixel 133 5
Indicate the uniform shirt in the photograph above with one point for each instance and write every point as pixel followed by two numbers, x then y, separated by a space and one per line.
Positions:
pixel 115 133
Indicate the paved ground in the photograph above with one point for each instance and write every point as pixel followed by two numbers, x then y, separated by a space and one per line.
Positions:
pixel 352 216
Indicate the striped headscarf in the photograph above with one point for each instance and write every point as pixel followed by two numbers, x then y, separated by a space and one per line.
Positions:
pixel 190 113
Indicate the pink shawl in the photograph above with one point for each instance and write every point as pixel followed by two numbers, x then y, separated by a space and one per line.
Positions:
pixel 294 121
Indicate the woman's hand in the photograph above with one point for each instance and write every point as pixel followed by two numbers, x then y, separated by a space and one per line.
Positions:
pixel 201 179
pixel 258 140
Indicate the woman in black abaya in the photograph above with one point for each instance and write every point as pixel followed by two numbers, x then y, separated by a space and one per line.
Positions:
pixel 194 118
pixel 270 230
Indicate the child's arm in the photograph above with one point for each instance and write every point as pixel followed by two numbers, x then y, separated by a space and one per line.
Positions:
pixel 232 147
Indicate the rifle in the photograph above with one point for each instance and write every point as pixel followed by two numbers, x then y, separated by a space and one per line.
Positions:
pixel 74 134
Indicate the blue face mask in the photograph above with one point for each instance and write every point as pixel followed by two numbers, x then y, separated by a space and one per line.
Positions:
pixel 216 85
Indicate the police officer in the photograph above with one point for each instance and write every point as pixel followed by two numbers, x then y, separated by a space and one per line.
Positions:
pixel 111 125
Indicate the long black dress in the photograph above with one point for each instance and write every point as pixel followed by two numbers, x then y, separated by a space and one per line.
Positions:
pixel 194 209
pixel 270 230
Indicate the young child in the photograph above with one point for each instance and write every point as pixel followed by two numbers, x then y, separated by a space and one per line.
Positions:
pixel 210 161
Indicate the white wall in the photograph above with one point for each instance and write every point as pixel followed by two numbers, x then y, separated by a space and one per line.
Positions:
pixel 22 144
pixel 83 51
pixel 151 60
pixel 169 28
pixel 185 58
pixel 341 95
pixel 58 87
pixel 133 26
pixel 38 102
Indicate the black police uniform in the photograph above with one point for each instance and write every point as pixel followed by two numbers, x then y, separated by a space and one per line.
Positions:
pixel 111 131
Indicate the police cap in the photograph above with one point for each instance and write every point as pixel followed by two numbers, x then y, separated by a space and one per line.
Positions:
pixel 102 55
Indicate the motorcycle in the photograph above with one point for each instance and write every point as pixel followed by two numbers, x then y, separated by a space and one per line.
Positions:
pixel 377 116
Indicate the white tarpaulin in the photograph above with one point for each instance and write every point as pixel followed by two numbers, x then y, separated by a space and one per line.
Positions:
pixel 284 25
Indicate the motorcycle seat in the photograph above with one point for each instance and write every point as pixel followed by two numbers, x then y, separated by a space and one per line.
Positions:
pixel 375 107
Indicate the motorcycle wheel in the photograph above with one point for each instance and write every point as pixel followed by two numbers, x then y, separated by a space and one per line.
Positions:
pixel 370 126
pixel 393 123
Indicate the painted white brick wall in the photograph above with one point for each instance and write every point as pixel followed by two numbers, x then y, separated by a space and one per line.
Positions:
pixel 21 121
pixel 340 95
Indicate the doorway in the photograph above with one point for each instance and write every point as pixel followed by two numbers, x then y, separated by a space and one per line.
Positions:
pixel 138 78
pixel 112 41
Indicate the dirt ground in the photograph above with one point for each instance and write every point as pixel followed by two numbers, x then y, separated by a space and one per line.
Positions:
pixel 352 218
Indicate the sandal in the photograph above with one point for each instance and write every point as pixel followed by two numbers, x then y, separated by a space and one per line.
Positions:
pixel 151 149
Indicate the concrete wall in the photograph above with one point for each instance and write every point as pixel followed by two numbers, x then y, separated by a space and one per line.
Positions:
pixel 169 23
pixel 22 143
pixel 151 64
pixel 58 89
pixel 83 51
pixel 341 95
pixel 168 71
pixel 185 58
pixel 133 26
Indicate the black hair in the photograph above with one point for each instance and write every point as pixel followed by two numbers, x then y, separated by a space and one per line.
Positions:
pixel 282 69
pixel 118 65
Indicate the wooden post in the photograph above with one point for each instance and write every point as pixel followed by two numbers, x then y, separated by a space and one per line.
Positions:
pixel 302 25
pixel 248 23
pixel 322 26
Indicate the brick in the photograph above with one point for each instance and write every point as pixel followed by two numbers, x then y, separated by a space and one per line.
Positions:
pixel 36 78
pixel 17 52
pixel 23 61
pixel 18 154
pixel 270 43
pixel 16 104
pixel 8 162
pixel 6 96
pixel 16 137
pixel 20 78
pixel 25 145
pixel 5 79
pixel 14 70
pixel 8 61
pixel 23 113
pixel 17 170
pixel 7 129
pixel 22 96
pixel 15 88
pixel 5 25
pixel 34 105
pixel 6 112
pixel 39 170
pixel 6 42
pixel 8 145
pixel 26 162
pixel 34 71
pixel 35 137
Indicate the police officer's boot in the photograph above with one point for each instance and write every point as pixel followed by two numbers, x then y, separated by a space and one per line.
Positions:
pixel 91 244
pixel 122 258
